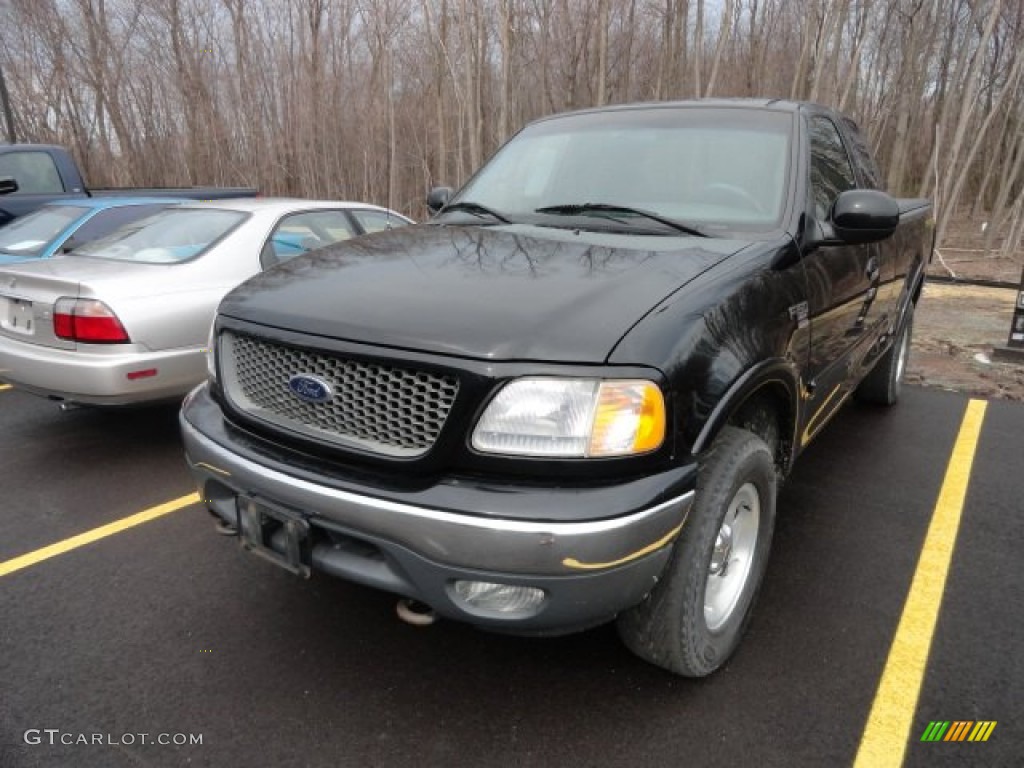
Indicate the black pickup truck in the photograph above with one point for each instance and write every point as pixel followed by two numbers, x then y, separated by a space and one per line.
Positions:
pixel 571 396
pixel 32 175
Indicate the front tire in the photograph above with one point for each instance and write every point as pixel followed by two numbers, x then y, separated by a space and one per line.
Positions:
pixel 692 621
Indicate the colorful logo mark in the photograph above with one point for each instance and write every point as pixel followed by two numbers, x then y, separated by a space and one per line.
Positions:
pixel 958 730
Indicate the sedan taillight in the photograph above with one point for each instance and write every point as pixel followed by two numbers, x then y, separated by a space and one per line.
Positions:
pixel 87 320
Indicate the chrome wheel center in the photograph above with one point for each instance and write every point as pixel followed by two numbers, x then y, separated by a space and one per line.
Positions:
pixel 732 556
pixel 722 551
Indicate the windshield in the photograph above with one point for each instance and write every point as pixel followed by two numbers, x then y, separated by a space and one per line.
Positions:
pixel 30 235
pixel 168 237
pixel 713 168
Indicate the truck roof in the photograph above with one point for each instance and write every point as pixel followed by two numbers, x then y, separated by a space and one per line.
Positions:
pixel 777 105
pixel 7 146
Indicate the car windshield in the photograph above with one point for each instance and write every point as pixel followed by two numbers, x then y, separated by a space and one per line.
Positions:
pixel 712 168
pixel 168 237
pixel 30 235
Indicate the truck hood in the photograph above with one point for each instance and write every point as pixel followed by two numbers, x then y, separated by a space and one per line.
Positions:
pixel 516 292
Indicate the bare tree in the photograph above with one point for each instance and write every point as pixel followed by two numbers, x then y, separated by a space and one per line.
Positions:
pixel 380 99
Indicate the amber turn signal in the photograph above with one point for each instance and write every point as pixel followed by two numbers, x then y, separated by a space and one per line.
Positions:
pixel 629 419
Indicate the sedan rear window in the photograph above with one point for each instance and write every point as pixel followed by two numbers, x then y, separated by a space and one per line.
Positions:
pixel 30 235
pixel 169 237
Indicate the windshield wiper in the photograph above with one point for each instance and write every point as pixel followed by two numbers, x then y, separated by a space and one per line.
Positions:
pixel 476 209
pixel 577 209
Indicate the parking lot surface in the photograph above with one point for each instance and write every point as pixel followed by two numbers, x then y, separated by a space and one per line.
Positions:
pixel 161 627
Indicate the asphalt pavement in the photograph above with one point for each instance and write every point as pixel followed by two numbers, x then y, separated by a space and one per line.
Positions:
pixel 167 629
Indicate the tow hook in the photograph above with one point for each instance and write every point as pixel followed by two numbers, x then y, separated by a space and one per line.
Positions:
pixel 220 525
pixel 414 612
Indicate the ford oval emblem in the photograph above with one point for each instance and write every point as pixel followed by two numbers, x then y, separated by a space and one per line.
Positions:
pixel 312 389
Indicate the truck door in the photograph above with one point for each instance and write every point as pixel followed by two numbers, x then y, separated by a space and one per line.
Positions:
pixel 843 283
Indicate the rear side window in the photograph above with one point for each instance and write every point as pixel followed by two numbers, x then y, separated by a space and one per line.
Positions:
pixel 377 221
pixel 865 160
pixel 301 232
pixel 31 235
pixel 106 221
pixel 831 170
pixel 34 171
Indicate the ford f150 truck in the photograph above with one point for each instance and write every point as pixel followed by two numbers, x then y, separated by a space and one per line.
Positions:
pixel 32 175
pixel 571 396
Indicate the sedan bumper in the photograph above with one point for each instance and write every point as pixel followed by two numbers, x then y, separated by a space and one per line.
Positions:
pixel 101 374
pixel 589 568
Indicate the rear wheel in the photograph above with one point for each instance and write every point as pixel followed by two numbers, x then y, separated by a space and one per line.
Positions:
pixel 692 621
pixel 882 385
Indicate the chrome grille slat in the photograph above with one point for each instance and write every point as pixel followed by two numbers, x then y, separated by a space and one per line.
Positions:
pixel 380 408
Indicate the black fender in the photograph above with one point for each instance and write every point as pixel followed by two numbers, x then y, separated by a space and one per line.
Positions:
pixel 781 376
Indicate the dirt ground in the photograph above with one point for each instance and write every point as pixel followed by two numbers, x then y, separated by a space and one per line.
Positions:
pixel 956 328
pixel 973 265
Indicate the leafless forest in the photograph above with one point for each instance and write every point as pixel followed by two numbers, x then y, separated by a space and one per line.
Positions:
pixel 381 99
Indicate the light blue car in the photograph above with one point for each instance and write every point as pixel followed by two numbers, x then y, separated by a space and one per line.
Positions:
pixel 57 228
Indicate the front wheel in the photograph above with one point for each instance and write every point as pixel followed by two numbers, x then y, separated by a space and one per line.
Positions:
pixel 693 620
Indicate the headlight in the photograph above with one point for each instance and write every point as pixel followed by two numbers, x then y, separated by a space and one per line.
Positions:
pixel 573 418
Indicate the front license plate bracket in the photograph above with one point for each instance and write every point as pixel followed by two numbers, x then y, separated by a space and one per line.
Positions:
pixel 262 525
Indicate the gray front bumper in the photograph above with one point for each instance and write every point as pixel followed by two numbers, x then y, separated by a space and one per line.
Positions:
pixel 417 550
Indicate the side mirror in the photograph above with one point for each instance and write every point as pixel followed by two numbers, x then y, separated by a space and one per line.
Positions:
pixel 8 184
pixel 438 198
pixel 864 216
pixel 69 245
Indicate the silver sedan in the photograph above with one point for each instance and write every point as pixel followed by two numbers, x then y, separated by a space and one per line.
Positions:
pixel 126 319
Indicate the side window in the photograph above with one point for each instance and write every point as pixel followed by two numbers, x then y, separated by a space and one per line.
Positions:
pixel 105 222
pixel 831 171
pixel 377 221
pixel 301 232
pixel 865 161
pixel 34 171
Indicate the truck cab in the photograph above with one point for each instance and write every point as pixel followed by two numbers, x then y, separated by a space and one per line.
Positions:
pixel 38 174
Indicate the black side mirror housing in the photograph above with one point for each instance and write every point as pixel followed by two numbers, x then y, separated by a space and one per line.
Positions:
pixel 69 245
pixel 438 198
pixel 864 216
pixel 8 184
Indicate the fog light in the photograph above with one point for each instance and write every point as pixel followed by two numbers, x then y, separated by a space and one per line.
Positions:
pixel 499 598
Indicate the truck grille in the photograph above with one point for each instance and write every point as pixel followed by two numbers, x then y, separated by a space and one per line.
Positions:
pixel 379 408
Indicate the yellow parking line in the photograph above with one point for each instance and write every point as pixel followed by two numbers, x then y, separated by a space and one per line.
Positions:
pixel 885 736
pixel 37 556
